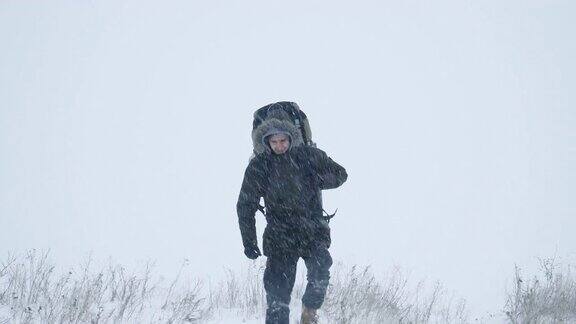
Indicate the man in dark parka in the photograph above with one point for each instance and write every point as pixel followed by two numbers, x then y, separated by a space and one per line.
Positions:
pixel 289 176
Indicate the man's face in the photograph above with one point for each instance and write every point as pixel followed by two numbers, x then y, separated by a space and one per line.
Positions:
pixel 279 143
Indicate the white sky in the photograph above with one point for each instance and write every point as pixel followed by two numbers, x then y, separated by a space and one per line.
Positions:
pixel 125 129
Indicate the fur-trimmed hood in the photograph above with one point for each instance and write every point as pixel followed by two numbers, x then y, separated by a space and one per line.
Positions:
pixel 275 126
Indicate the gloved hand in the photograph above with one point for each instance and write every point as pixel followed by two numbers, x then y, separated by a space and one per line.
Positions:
pixel 252 252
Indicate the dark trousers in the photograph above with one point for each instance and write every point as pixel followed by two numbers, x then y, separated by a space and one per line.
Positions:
pixel 279 279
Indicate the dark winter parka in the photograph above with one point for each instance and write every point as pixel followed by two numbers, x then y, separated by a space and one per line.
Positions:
pixel 290 184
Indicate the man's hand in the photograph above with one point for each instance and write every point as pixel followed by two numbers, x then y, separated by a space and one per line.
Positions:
pixel 252 252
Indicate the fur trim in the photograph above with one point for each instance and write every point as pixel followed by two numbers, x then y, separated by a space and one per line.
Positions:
pixel 274 125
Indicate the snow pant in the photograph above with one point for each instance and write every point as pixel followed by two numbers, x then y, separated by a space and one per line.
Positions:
pixel 279 278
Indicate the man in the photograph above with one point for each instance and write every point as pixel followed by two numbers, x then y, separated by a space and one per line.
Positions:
pixel 289 176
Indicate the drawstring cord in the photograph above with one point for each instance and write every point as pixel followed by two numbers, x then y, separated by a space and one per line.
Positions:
pixel 327 217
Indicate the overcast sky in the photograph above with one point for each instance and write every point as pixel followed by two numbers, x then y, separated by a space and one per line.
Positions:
pixel 125 129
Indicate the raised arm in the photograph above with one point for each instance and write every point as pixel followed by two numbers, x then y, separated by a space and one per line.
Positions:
pixel 330 174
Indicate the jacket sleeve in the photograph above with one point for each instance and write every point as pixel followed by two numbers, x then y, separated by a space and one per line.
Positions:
pixel 248 202
pixel 330 174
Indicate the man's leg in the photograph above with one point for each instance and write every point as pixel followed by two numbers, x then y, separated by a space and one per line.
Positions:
pixel 279 279
pixel 318 274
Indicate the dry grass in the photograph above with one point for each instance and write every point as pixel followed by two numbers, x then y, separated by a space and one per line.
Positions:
pixel 241 291
pixel 547 298
pixel 355 295
pixel 31 291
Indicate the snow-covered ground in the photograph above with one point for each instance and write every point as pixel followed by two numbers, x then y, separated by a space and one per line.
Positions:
pixel 235 316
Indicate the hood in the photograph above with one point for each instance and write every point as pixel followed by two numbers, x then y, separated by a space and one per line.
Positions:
pixel 275 126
